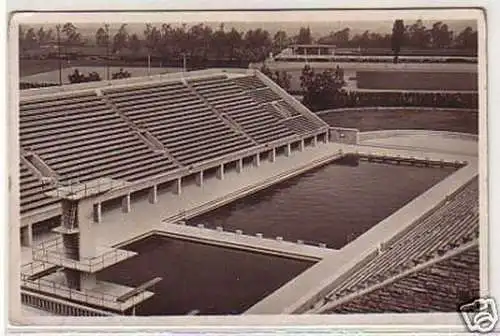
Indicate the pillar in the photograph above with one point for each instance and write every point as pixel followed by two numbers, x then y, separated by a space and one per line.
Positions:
pixel 220 172
pixel 126 203
pixel 27 235
pixel 288 150
pixel 153 194
pixel 199 179
pixel 315 140
pixel 239 165
pixel 301 145
pixel 98 212
pixel 177 188
pixel 88 281
pixel 272 155
pixel 256 160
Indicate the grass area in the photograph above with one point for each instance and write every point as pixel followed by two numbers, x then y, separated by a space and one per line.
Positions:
pixel 450 81
pixel 31 67
pixel 457 121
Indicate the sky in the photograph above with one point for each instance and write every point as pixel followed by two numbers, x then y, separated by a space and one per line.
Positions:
pixel 320 22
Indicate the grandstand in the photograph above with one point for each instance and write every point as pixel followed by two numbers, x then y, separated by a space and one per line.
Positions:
pixel 413 271
pixel 143 129
pixel 158 133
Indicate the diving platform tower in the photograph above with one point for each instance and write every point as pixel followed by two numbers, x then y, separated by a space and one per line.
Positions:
pixel 67 265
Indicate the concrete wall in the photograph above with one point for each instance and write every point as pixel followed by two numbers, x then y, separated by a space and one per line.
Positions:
pixel 344 135
pixel 405 133
pixel 395 109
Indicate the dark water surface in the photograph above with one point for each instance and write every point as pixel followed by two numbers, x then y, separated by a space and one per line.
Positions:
pixel 332 204
pixel 211 279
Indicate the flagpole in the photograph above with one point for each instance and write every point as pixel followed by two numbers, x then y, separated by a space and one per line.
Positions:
pixel 149 64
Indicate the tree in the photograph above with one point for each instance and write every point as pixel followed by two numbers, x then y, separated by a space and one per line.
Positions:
pixel 234 43
pixel 466 39
pixel 153 38
pixel 220 42
pixel 280 41
pixel 78 77
pixel 304 36
pixel 266 71
pixel 441 37
pixel 397 38
pixel 419 36
pixel 135 43
pixel 120 40
pixel 121 74
pixel 283 79
pixel 320 90
pixel 42 36
pixel 339 38
pixel 30 39
pixel 307 77
pixel 258 44
pixel 73 37
pixel 101 37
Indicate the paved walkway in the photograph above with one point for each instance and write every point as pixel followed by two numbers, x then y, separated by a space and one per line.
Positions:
pixel 425 143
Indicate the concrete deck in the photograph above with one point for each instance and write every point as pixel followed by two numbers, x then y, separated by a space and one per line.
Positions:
pixel 118 228
pixel 103 294
pixel 146 217
pixel 242 241
pixel 425 142
pixel 309 286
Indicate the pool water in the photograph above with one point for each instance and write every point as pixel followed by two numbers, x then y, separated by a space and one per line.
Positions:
pixel 199 277
pixel 332 204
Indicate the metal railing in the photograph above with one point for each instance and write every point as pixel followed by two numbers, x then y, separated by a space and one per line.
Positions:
pixel 53 252
pixel 58 306
pixel 92 297
pixel 73 187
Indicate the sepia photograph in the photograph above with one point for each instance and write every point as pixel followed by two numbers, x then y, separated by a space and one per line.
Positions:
pixel 320 163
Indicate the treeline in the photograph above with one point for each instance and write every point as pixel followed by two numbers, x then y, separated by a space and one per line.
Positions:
pixel 414 36
pixel 203 42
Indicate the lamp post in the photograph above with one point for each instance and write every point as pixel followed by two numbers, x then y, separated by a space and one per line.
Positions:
pixel 58 28
pixel 106 26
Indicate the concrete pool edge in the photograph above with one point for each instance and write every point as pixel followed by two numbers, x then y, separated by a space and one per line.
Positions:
pixel 332 153
pixel 241 193
pixel 234 241
pixel 286 299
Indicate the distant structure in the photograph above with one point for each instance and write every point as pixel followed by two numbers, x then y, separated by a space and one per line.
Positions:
pixel 297 52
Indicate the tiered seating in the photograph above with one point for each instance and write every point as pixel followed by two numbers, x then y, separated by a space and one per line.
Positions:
pixel 82 139
pixel 270 108
pixel 249 82
pixel 229 99
pixel 442 287
pixel 300 124
pixel 32 191
pixel 183 122
pixel 265 95
pixel 286 107
pixel 444 229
